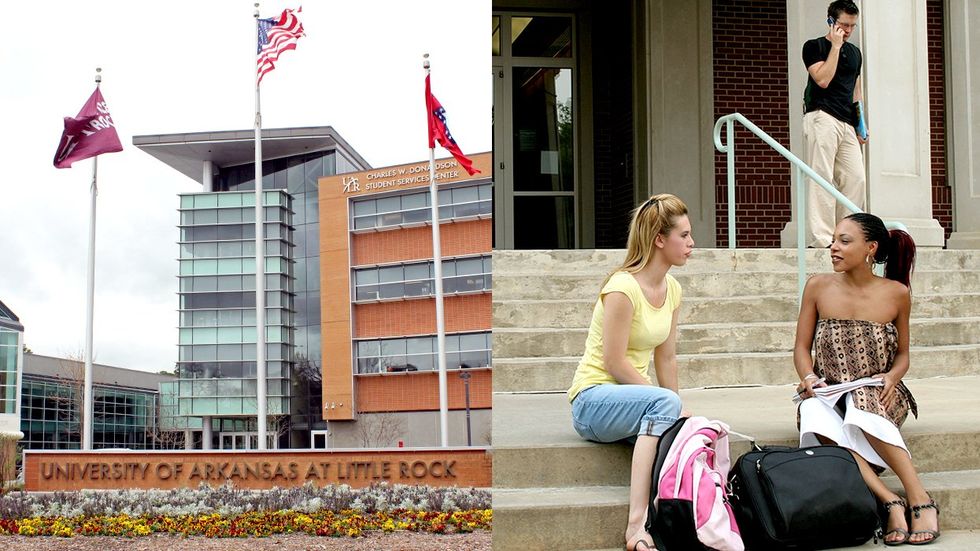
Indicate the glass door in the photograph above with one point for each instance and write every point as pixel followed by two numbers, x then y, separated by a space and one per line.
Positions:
pixel 535 165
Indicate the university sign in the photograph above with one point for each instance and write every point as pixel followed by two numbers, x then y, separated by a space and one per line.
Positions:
pixel 98 470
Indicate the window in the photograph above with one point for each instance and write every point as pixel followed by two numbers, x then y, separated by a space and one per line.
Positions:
pixel 420 354
pixel 462 202
pixel 415 279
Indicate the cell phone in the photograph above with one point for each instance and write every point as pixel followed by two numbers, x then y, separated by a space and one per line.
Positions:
pixel 831 21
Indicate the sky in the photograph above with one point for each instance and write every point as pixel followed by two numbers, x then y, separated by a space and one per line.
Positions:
pixel 183 66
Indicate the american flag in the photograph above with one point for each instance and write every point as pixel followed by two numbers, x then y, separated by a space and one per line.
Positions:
pixel 276 37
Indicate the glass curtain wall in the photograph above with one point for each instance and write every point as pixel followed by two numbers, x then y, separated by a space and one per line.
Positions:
pixel 8 370
pixel 50 414
pixel 217 335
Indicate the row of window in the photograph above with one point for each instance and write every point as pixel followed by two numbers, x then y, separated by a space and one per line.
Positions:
pixel 228 266
pixel 415 207
pixel 230 232
pixel 210 284
pixel 231 406
pixel 419 353
pixel 231 299
pixel 50 414
pixel 296 174
pixel 228 352
pixel 231 335
pixel 234 216
pixel 232 199
pixel 459 275
pixel 228 249
pixel 230 369
pixel 218 318
pixel 231 387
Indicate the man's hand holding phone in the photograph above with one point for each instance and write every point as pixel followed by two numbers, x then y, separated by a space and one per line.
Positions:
pixel 836 34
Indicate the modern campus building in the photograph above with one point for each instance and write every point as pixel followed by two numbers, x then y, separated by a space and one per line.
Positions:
pixel 349 362
pixel 11 371
pixel 126 406
pixel 380 367
pixel 598 105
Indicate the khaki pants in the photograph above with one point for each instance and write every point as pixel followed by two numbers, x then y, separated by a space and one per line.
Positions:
pixel 833 151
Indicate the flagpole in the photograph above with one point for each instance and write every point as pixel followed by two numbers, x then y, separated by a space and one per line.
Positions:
pixel 440 314
pixel 90 300
pixel 260 367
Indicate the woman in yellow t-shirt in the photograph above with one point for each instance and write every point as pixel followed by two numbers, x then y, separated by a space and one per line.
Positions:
pixel 612 395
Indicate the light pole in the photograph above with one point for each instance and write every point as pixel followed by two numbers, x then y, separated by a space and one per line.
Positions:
pixel 465 375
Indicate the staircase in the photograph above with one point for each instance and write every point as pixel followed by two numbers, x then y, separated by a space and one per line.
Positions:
pixel 552 490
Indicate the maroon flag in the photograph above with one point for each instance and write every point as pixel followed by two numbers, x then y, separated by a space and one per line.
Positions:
pixel 439 130
pixel 90 133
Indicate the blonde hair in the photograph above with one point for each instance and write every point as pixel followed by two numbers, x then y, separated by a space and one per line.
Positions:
pixel 656 216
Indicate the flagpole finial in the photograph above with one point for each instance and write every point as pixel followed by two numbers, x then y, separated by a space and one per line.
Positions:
pixel 425 61
pixel 98 75
pixel 256 10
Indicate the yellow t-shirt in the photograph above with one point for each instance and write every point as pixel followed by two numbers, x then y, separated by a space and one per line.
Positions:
pixel 649 329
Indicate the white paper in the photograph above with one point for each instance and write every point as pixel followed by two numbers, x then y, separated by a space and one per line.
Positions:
pixel 831 393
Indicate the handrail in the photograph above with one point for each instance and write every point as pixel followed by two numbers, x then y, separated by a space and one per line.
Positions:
pixel 801 169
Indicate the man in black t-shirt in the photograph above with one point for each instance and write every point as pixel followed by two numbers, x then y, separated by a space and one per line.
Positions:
pixel 832 147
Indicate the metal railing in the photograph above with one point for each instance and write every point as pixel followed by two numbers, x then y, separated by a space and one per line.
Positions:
pixel 800 168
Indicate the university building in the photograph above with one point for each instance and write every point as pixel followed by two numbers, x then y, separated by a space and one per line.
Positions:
pixel 598 105
pixel 349 314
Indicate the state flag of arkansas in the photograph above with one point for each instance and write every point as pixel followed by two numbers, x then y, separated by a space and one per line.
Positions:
pixel 90 133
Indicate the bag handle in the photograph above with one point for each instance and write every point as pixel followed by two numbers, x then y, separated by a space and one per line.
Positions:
pixel 751 439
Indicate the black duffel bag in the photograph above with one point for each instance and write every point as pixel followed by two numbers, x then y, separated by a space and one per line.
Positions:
pixel 802 498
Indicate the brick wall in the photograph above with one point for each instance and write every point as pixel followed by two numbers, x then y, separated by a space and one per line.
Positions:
pixel 942 197
pixel 419 391
pixel 414 243
pixel 418 317
pixel 750 76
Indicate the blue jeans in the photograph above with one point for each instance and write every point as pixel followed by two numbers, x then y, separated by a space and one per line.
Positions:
pixel 611 412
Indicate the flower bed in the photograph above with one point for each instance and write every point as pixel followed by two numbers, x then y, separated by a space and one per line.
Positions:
pixel 226 512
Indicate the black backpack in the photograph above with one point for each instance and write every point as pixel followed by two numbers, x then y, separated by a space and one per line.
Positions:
pixel 802 498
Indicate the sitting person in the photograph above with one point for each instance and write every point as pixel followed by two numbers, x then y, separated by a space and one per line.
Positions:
pixel 612 395
pixel 857 325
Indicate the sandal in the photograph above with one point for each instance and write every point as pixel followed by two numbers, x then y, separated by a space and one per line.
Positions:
pixel 916 510
pixel 641 536
pixel 888 507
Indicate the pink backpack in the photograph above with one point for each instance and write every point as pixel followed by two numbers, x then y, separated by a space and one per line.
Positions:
pixel 689 499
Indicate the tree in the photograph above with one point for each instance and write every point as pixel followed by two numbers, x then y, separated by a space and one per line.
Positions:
pixel 70 399
pixel 379 430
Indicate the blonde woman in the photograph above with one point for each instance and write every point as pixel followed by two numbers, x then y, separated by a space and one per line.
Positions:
pixel 635 317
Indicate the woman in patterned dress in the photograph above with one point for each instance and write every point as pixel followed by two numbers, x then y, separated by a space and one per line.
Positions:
pixel 857 325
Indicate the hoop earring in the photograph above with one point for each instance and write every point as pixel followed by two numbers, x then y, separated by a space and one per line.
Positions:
pixel 869 261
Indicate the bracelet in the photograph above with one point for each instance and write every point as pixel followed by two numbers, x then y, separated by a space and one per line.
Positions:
pixel 810 375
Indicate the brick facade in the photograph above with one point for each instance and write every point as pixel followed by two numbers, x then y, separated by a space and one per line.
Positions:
pixel 418 317
pixel 471 237
pixel 419 391
pixel 750 76
pixel 942 195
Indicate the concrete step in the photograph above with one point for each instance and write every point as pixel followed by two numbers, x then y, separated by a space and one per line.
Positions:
pixel 577 313
pixel 709 338
pixel 700 370
pixel 602 261
pixel 577 285
pixel 595 517
pixel 549 453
